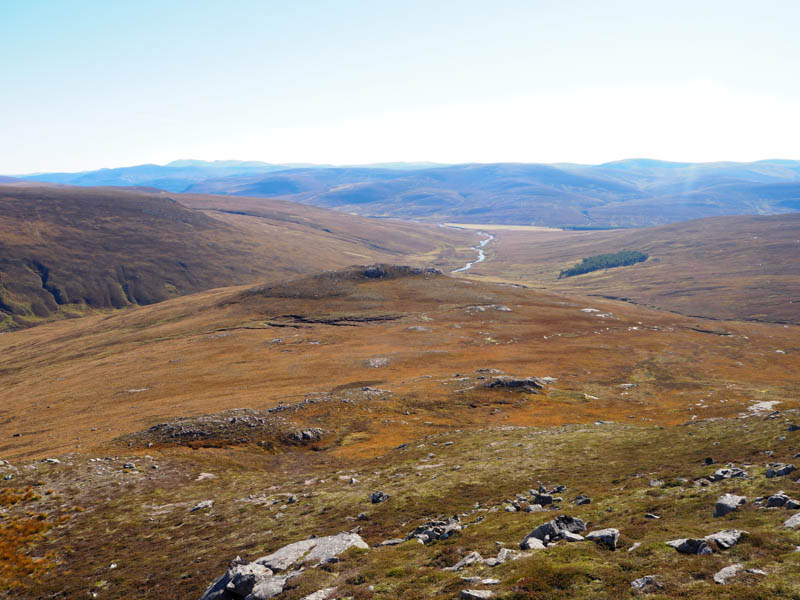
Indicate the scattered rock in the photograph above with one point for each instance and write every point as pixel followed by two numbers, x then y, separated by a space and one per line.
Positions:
pixel 793 427
pixel 723 575
pixel 728 473
pixel 582 499
pixel 475 594
pixel 727 503
pixel 378 497
pixel 470 559
pixel 323 594
pixel 392 542
pixel 776 500
pixel 607 537
pixel 315 550
pixel 646 584
pixel 651 516
pixel 202 505
pixel 552 531
pixel 436 530
pixel 725 539
pixel 52 461
pixel 779 470
pixel 690 546
pixel 530 385
pixel 792 522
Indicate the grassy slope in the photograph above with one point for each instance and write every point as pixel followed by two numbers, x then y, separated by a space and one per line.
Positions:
pixel 67 250
pixel 725 268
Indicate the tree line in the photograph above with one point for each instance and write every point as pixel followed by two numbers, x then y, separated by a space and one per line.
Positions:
pixel 623 258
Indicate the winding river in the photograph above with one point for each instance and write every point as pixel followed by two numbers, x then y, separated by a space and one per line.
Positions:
pixel 479 249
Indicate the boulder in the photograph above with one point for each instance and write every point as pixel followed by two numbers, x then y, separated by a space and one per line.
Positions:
pixel 776 500
pixel 470 559
pixel 606 537
pixel 727 503
pixel 723 575
pixel 244 580
pixel 792 522
pixel 779 470
pixel 552 531
pixel 725 539
pixel 646 584
pixel 690 546
pixel 314 550
pixel 323 594
pixel 436 530
pixel 378 497
pixel 581 499
pixel 202 505
pixel 529 385
pixel 475 594
pixel 728 473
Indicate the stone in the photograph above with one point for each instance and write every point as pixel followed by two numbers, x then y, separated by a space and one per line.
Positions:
pixel 249 581
pixel 470 559
pixel 581 500
pixel 727 503
pixel 776 500
pixel 793 427
pixel 606 537
pixel 791 504
pixel 634 546
pixel 723 575
pixel 646 584
pixel 323 594
pixel 530 385
pixel 572 537
pixel 552 531
pixel 779 470
pixel 728 473
pixel 392 542
pixel 378 497
pixel 506 554
pixel 651 516
pixel 792 522
pixel 202 505
pixel 52 461
pixel 690 546
pixel 475 594
pixel 725 539
pixel 314 550
pixel 436 530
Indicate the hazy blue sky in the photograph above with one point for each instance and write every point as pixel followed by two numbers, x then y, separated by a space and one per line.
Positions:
pixel 88 84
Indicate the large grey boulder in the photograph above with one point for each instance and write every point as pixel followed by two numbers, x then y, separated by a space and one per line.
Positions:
pixel 315 551
pixel 728 473
pixel 690 546
pixel 792 522
pixel 258 580
pixel 552 531
pixel 727 503
pixel 606 537
pixel 725 539
pixel 247 581
pixel 779 470
pixel 723 575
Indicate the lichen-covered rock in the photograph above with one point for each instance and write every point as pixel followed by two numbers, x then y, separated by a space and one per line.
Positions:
pixel 690 546
pixel 552 531
pixel 607 537
pixel 725 539
pixel 727 503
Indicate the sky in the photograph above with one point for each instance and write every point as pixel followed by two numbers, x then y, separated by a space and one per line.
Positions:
pixel 92 84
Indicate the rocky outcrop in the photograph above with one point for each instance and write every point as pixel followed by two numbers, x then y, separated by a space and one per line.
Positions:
pixel 529 385
pixel 779 470
pixel 436 530
pixel 606 537
pixel 259 580
pixel 727 503
pixel 552 531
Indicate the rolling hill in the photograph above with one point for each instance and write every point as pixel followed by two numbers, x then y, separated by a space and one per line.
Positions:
pixel 65 250
pixel 629 193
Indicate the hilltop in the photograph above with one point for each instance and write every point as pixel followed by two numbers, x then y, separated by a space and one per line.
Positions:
pixel 68 250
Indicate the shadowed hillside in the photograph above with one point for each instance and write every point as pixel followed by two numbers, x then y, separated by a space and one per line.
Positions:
pixel 66 250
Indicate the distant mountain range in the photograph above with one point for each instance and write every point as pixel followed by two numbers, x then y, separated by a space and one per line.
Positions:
pixel 627 193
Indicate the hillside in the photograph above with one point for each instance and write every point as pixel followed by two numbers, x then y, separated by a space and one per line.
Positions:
pixel 740 267
pixel 630 193
pixel 239 420
pixel 66 250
